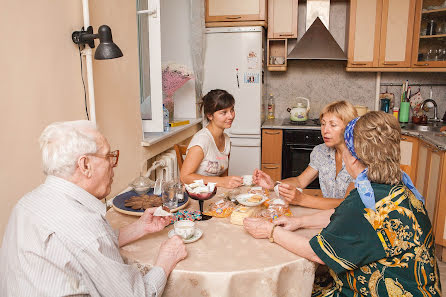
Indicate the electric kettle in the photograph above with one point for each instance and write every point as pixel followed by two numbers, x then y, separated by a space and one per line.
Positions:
pixel 300 112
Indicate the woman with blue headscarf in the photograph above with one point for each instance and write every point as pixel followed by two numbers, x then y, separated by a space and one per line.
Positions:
pixel 379 240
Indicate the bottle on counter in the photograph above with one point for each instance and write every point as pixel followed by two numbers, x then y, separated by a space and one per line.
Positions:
pixel 271 107
pixel 166 119
pixel 396 110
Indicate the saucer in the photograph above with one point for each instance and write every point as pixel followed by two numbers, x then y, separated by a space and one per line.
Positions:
pixel 197 235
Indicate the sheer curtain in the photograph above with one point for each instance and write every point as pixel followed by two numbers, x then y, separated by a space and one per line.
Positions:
pixel 197 42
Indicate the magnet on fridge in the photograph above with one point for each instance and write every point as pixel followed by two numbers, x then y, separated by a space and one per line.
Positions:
pixel 251 78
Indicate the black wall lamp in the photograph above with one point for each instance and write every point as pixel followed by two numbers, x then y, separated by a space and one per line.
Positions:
pixel 107 49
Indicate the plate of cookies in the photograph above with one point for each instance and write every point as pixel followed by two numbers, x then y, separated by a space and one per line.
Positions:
pixel 250 199
pixel 132 203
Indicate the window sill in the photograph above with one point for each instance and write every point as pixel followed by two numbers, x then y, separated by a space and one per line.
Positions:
pixel 151 138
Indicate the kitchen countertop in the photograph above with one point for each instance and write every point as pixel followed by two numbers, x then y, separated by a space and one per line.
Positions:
pixel 437 139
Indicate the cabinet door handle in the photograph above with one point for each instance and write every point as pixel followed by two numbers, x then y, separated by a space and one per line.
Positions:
pixel 288 34
pixel 234 18
pixel 272 133
pixel 270 167
pixel 403 138
pixel 390 64
pixel 359 64
pixel 425 64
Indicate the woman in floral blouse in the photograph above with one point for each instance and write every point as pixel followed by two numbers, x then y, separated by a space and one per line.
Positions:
pixel 379 241
pixel 325 163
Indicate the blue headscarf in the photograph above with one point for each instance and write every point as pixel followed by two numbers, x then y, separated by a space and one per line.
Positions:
pixel 362 182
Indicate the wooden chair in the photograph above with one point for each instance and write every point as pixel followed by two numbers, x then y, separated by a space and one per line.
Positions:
pixel 180 150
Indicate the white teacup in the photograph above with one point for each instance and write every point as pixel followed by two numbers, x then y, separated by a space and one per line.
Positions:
pixel 247 180
pixel 184 228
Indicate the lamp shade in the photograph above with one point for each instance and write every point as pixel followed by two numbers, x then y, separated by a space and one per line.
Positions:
pixel 106 49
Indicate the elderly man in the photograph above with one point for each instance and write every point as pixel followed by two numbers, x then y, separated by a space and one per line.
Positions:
pixel 58 242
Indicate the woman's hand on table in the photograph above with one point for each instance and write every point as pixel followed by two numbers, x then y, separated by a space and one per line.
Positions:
pixel 290 193
pixel 288 223
pixel 151 224
pixel 172 251
pixel 258 227
pixel 262 179
pixel 231 182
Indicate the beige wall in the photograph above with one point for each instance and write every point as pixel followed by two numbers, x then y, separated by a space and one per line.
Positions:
pixel 40 83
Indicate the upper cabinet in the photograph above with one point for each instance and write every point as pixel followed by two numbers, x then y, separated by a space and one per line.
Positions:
pixel 380 33
pixel 429 47
pixel 232 12
pixel 364 30
pixel 282 18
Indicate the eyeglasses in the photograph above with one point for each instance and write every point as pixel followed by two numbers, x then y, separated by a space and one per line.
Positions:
pixel 112 156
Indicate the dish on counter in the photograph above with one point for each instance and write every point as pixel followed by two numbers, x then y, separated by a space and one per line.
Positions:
pixel 249 199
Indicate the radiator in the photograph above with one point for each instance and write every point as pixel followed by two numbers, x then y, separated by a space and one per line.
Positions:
pixel 170 171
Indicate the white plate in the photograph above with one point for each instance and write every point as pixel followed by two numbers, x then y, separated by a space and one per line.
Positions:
pixel 243 199
pixel 197 235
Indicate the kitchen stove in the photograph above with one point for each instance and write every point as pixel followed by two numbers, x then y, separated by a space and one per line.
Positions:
pixel 309 122
pixel 298 143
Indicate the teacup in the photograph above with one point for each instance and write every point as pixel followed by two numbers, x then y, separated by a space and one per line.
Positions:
pixel 184 228
pixel 247 180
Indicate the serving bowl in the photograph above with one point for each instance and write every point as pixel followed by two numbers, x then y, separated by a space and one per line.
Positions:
pixel 142 185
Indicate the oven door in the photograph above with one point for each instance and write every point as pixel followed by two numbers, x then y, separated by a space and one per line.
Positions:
pixel 295 160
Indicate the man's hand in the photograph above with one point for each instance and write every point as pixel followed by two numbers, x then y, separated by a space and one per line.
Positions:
pixel 258 227
pixel 151 224
pixel 290 193
pixel 262 179
pixel 171 252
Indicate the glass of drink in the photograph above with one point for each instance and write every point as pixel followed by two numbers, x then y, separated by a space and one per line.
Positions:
pixel 169 195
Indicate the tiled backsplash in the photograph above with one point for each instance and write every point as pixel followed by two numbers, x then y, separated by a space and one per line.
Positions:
pixel 325 81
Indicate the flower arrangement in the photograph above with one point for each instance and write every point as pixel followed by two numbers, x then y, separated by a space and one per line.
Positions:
pixel 174 77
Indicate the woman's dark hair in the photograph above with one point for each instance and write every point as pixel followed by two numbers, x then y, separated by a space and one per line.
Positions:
pixel 216 100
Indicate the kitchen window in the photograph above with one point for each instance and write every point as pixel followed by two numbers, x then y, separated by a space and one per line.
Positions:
pixel 149 43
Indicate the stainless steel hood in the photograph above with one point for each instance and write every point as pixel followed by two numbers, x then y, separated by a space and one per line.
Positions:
pixel 317 43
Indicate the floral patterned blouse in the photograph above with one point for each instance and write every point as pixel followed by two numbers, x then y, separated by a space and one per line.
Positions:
pixel 387 252
pixel 322 159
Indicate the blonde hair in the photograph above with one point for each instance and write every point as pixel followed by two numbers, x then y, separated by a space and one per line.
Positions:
pixel 377 138
pixel 341 109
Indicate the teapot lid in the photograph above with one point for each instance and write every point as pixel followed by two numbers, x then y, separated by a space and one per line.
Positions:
pixel 300 104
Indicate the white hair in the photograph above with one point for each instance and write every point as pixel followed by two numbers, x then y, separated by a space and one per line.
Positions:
pixel 62 143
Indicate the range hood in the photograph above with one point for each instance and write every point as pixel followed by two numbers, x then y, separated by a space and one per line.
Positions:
pixel 317 43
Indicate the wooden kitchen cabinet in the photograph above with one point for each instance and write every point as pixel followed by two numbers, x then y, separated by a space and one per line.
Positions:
pixel 276 52
pixel 380 33
pixel 409 155
pixel 282 18
pixel 235 13
pixel 272 153
pixel 429 47
pixel 429 180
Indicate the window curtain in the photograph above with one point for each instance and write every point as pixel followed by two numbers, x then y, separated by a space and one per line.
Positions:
pixel 198 43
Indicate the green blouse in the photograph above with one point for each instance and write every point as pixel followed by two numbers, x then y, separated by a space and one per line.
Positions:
pixel 389 252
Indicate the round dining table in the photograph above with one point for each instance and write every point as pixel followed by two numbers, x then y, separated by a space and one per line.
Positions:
pixel 226 261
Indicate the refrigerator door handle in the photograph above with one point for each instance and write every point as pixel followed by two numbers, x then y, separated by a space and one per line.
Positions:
pixel 245 132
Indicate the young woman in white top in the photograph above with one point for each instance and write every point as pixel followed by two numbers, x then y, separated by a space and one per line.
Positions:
pixel 207 156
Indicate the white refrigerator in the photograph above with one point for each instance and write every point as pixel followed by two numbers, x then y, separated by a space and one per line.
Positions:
pixel 234 60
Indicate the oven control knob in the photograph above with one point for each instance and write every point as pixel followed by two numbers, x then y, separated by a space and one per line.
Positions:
pixel 307 137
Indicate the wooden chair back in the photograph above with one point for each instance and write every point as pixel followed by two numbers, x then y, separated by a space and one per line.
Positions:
pixel 180 150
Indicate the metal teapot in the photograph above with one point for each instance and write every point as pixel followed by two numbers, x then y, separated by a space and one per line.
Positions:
pixel 300 112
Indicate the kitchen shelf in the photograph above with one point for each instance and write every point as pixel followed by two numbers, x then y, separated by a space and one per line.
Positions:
pixel 433 11
pixel 432 36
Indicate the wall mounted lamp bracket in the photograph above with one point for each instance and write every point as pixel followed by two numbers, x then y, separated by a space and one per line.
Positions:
pixel 84 37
